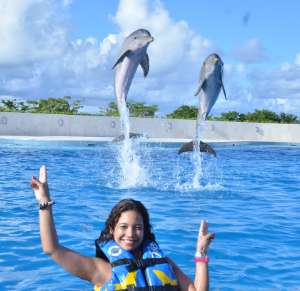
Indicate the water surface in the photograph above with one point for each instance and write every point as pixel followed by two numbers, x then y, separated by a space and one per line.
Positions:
pixel 249 194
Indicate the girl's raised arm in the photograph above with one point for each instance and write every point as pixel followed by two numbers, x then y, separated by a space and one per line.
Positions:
pixel 201 282
pixel 91 269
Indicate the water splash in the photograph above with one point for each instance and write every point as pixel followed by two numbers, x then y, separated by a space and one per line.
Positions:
pixel 196 159
pixel 189 187
pixel 131 173
pixel 202 173
pixel 137 166
pixel 199 173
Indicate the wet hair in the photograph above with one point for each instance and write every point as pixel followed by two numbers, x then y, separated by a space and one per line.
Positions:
pixel 118 209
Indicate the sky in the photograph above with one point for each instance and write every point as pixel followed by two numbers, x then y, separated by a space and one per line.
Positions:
pixel 56 48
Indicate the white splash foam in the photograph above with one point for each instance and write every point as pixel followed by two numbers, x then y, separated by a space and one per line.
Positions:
pixel 132 174
pixel 196 159
pixel 191 187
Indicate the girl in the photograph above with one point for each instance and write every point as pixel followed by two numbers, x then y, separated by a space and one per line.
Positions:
pixel 127 255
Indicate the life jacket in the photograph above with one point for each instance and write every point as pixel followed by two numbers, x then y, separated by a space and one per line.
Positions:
pixel 151 272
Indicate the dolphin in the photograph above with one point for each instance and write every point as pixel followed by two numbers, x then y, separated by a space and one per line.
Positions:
pixel 133 53
pixel 210 84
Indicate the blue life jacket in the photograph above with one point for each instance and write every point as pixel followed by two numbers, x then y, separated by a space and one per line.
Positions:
pixel 151 272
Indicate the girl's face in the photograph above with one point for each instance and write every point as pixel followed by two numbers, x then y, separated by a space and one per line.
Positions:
pixel 129 230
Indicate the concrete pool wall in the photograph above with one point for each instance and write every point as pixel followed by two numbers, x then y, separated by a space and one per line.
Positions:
pixel 55 125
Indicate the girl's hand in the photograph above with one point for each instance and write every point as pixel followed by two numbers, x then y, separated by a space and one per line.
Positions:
pixel 40 186
pixel 204 238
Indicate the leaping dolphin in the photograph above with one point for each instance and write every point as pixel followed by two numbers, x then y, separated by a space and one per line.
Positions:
pixel 133 53
pixel 210 84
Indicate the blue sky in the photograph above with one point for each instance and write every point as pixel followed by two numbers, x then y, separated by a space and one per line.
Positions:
pixel 67 47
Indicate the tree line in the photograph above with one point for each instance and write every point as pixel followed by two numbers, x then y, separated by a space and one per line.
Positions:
pixel 139 109
pixel 49 105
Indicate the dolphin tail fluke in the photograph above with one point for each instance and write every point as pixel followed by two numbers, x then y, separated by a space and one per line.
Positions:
pixel 186 147
pixel 131 135
pixel 204 147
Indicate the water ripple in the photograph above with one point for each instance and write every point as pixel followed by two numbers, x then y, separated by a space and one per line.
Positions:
pixel 249 194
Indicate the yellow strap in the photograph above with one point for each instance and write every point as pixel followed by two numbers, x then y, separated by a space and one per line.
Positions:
pixel 164 278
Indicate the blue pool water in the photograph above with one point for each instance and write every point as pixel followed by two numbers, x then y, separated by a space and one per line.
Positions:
pixel 250 195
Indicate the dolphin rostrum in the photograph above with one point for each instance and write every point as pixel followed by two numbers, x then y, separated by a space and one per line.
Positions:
pixel 133 53
pixel 210 84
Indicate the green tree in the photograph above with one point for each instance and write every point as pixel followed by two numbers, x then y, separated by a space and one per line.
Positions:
pixel 23 106
pixel 9 105
pixel 288 118
pixel 112 109
pixel 136 109
pixel 242 117
pixel 229 116
pixel 140 109
pixel 258 116
pixel 50 105
pixel 54 105
pixel 263 116
pixel 184 112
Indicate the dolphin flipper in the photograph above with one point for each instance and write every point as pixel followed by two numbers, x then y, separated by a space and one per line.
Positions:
pixel 201 86
pixel 145 64
pixel 223 88
pixel 204 147
pixel 120 59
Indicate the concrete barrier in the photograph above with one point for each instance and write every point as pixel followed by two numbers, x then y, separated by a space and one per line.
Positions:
pixel 47 125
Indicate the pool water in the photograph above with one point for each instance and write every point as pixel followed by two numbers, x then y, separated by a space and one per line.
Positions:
pixel 249 194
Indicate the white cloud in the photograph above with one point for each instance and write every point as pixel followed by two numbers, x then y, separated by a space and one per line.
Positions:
pixel 30 31
pixel 175 55
pixel 250 52
pixel 38 60
pixel 235 68
pixel 277 89
pixel 67 2
pixel 297 60
pixel 175 43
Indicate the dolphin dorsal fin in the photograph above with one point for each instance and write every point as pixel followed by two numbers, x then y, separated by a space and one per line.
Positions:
pixel 145 64
pixel 120 59
pixel 201 86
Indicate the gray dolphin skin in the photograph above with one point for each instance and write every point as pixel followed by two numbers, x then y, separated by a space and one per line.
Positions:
pixel 210 84
pixel 133 53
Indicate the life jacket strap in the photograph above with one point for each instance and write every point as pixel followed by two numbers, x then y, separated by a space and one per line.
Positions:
pixel 152 288
pixel 139 264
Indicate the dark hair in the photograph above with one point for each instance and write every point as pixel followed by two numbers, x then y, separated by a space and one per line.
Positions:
pixel 118 209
